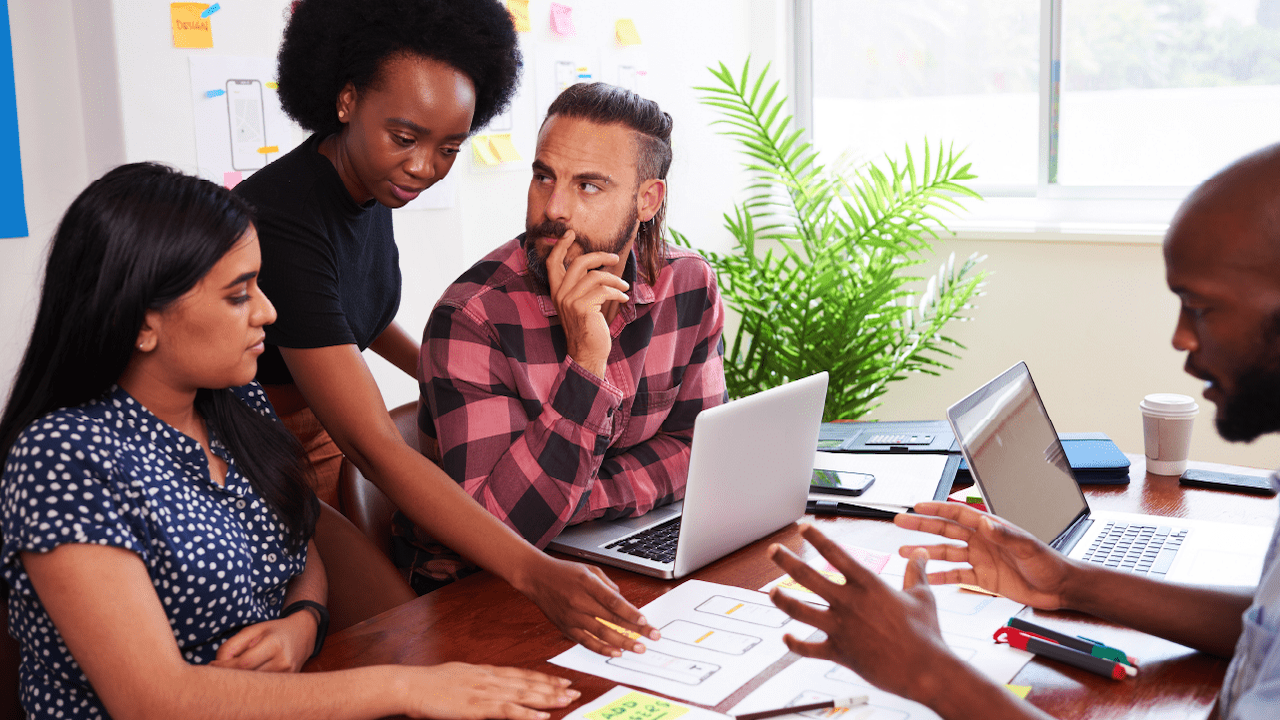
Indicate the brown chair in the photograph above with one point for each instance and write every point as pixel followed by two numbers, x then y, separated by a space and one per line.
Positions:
pixel 362 581
pixel 367 507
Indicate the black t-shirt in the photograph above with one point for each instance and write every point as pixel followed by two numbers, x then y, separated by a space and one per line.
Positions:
pixel 330 266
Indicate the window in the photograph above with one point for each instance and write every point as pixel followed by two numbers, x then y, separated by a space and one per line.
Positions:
pixel 1101 112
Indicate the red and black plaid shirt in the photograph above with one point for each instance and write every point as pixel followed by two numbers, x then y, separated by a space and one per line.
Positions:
pixel 534 437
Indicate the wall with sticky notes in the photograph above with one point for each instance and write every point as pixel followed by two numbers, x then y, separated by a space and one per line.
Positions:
pixel 125 67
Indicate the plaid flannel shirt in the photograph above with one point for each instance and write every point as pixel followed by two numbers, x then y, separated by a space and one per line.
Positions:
pixel 534 437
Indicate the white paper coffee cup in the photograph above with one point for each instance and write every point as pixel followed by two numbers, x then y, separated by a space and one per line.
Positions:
pixel 1166 428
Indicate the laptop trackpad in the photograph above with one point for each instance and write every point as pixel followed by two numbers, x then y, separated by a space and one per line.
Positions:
pixel 1221 567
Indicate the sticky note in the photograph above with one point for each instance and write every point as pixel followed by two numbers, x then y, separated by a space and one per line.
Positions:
pixel 483 150
pixel 562 20
pixel 273 85
pixel 789 583
pixel 212 9
pixel 504 148
pixel 1021 691
pixel 519 10
pixel 619 629
pixel 639 706
pixel 269 149
pixel 214 93
pixel 625 29
pixel 232 178
pixel 190 30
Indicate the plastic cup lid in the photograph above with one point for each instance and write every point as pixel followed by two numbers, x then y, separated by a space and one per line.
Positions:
pixel 1170 404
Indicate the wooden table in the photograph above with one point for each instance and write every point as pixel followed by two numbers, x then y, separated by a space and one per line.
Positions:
pixel 483 620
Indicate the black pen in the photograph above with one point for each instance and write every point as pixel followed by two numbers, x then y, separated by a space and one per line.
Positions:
pixel 833 703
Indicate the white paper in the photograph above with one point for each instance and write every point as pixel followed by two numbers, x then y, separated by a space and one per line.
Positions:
pixel 715 639
pixel 690 712
pixel 808 681
pixel 902 480
pixel 221 128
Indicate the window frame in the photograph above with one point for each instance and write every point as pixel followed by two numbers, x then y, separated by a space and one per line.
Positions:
pixel 1046 210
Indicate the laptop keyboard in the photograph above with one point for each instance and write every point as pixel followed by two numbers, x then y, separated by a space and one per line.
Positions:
pixel 657 543
pixel 1143 549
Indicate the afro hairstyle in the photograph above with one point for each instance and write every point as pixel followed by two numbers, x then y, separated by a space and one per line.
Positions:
pixel 329 43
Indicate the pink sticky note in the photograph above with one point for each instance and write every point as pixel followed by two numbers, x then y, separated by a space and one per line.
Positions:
pixel 562 20
pixel 870 559
pixel 231 179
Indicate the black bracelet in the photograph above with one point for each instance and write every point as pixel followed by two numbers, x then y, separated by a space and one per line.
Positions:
pixel 322 627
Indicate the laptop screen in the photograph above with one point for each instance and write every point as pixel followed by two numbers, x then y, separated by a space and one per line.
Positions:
pixel 1015 455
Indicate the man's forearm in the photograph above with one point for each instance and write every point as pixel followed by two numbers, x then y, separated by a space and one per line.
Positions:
pixel 1207 619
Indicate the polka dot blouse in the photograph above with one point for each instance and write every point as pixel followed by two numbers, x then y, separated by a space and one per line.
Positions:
pixel 111 473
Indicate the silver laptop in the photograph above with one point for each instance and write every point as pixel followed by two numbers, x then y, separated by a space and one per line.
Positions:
pixel 1014 454
pixel 749 473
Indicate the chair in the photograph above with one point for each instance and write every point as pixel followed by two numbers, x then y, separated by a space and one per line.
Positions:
pixel 367 507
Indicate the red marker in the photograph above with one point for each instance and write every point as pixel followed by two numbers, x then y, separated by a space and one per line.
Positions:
pixel 1047 648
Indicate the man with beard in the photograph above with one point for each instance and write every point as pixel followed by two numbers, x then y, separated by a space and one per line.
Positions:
pixel 1222 259
pixel 561 374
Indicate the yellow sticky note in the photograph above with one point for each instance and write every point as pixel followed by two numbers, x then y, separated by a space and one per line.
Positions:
pixel 789 583
pixel 273 85
pixel 189 29
pixel 483 150
pixel 620 629
pixel 626 31
pixel 1020 690
pixel 639 706
pixel 519 10
pixel 504 148
pixel 269 149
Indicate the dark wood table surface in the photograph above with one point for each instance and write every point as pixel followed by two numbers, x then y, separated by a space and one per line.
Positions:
pixel 483 620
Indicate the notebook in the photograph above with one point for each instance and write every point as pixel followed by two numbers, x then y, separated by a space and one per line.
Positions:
pixel 1019 463
pixel 749 471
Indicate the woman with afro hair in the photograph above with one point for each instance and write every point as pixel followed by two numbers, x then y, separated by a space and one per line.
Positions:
pixel 390 89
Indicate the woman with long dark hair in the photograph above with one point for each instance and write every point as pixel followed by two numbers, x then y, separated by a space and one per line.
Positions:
pixel 157 517
pixel 390 90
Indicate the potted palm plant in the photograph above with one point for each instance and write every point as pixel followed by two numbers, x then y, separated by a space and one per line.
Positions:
pixel 824 271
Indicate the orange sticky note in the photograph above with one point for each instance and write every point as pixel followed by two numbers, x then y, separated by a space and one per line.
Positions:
pixel 269 149
pixel 504 148
pixel 519 10
pixel 562 20
pixel 189 29
pixel 625 29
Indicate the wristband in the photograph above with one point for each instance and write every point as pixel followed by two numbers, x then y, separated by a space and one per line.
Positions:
pixel 322 626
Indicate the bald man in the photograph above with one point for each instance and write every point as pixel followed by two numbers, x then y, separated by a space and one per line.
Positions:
pixel 1222 259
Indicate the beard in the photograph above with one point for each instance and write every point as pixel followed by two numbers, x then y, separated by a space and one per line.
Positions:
pixel 1253 409
pixel 554 229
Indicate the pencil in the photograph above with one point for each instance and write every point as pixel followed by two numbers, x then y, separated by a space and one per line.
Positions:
pixel 847 702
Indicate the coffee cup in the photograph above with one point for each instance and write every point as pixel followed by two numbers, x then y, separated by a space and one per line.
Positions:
pixel 1166 428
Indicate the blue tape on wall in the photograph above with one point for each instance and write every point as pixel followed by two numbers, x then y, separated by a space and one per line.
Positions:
pixel 13 211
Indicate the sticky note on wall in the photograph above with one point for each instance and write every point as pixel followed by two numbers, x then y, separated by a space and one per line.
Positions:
pixel 519 10
pixel 562 20
pixel 625 30
pixel 504 148
pixel 483 151
pixel 190 30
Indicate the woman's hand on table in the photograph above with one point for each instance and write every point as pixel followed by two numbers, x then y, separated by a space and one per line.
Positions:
pixel 1002 557
pixel 577 597
pixel 281 645
pixel 458 691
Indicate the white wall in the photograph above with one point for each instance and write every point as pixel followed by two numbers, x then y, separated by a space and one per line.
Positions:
pixel 1092 319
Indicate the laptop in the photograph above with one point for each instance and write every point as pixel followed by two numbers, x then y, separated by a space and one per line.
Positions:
pixel 1017 459
pixel 749 472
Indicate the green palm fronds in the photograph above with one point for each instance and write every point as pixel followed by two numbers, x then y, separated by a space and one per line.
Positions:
pixel 823 264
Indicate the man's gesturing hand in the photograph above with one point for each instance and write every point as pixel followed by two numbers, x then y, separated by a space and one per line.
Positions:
pixel 579 292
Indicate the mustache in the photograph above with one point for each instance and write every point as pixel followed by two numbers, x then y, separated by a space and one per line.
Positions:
pixel 550 228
